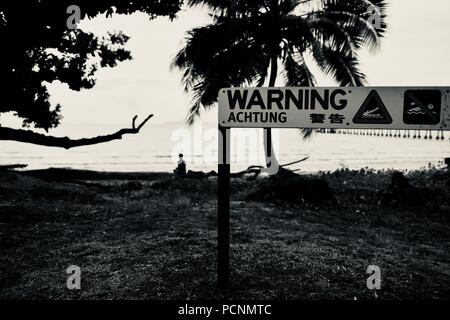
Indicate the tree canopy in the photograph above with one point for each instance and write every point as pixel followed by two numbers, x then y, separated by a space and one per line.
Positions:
pixel 249 39
pixel 39 47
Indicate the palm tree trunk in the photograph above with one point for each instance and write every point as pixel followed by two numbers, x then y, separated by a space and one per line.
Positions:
pixel 271 160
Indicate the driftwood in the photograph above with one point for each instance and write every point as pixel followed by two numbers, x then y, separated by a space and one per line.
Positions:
pixel 257 170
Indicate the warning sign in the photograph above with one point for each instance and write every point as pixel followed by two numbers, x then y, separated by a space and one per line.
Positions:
pixel 409 108
pixel 422 107
pixel 373 111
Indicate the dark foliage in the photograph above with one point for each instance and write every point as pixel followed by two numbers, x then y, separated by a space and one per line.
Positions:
pixel 295 189
pixel 38 47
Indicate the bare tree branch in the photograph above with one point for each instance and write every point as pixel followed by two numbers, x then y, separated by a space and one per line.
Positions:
pixel 28 136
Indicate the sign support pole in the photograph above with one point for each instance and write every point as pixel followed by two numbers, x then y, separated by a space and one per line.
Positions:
pixel 223 217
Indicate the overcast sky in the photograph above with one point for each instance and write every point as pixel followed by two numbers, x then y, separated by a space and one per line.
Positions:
pixel 416 51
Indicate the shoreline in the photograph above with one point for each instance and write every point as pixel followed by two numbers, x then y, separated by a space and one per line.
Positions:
pixel 115 174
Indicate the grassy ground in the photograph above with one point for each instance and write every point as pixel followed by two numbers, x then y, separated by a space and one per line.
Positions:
pixel 150 236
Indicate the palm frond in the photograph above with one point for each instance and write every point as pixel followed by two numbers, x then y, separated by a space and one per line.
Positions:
pixel 204 45
pixel 364 20
pixel 307 133
pixel 330 33
pixel 225 73
pixel 344 68
pixel 234 56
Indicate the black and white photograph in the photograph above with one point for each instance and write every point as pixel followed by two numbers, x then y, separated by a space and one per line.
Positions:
pixel 225 155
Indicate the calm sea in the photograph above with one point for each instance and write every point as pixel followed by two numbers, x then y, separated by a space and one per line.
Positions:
pixel 157 146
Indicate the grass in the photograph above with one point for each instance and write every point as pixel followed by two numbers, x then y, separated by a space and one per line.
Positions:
pixel 151 236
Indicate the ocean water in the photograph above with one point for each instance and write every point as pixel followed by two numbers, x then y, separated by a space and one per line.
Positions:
pixel 157 146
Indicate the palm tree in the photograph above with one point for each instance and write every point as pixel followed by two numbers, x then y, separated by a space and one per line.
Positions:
pixel 250 39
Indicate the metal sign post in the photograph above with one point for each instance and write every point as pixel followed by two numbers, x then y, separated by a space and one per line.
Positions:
pixel 223 218
pixel 396 108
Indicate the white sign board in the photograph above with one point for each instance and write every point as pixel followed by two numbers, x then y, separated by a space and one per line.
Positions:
pixel 340 108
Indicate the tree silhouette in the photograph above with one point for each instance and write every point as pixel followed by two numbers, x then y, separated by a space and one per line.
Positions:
pixel 39 47
pixel 250 39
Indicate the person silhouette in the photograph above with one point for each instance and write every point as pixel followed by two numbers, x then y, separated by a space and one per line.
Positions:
pixel 181 168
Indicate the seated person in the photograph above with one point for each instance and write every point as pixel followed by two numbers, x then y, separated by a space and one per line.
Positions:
pixel 181 169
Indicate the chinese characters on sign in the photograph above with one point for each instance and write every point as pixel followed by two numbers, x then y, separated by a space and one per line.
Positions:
pixel 333 118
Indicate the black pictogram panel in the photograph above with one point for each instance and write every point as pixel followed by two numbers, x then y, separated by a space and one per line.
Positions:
pixel 422 107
